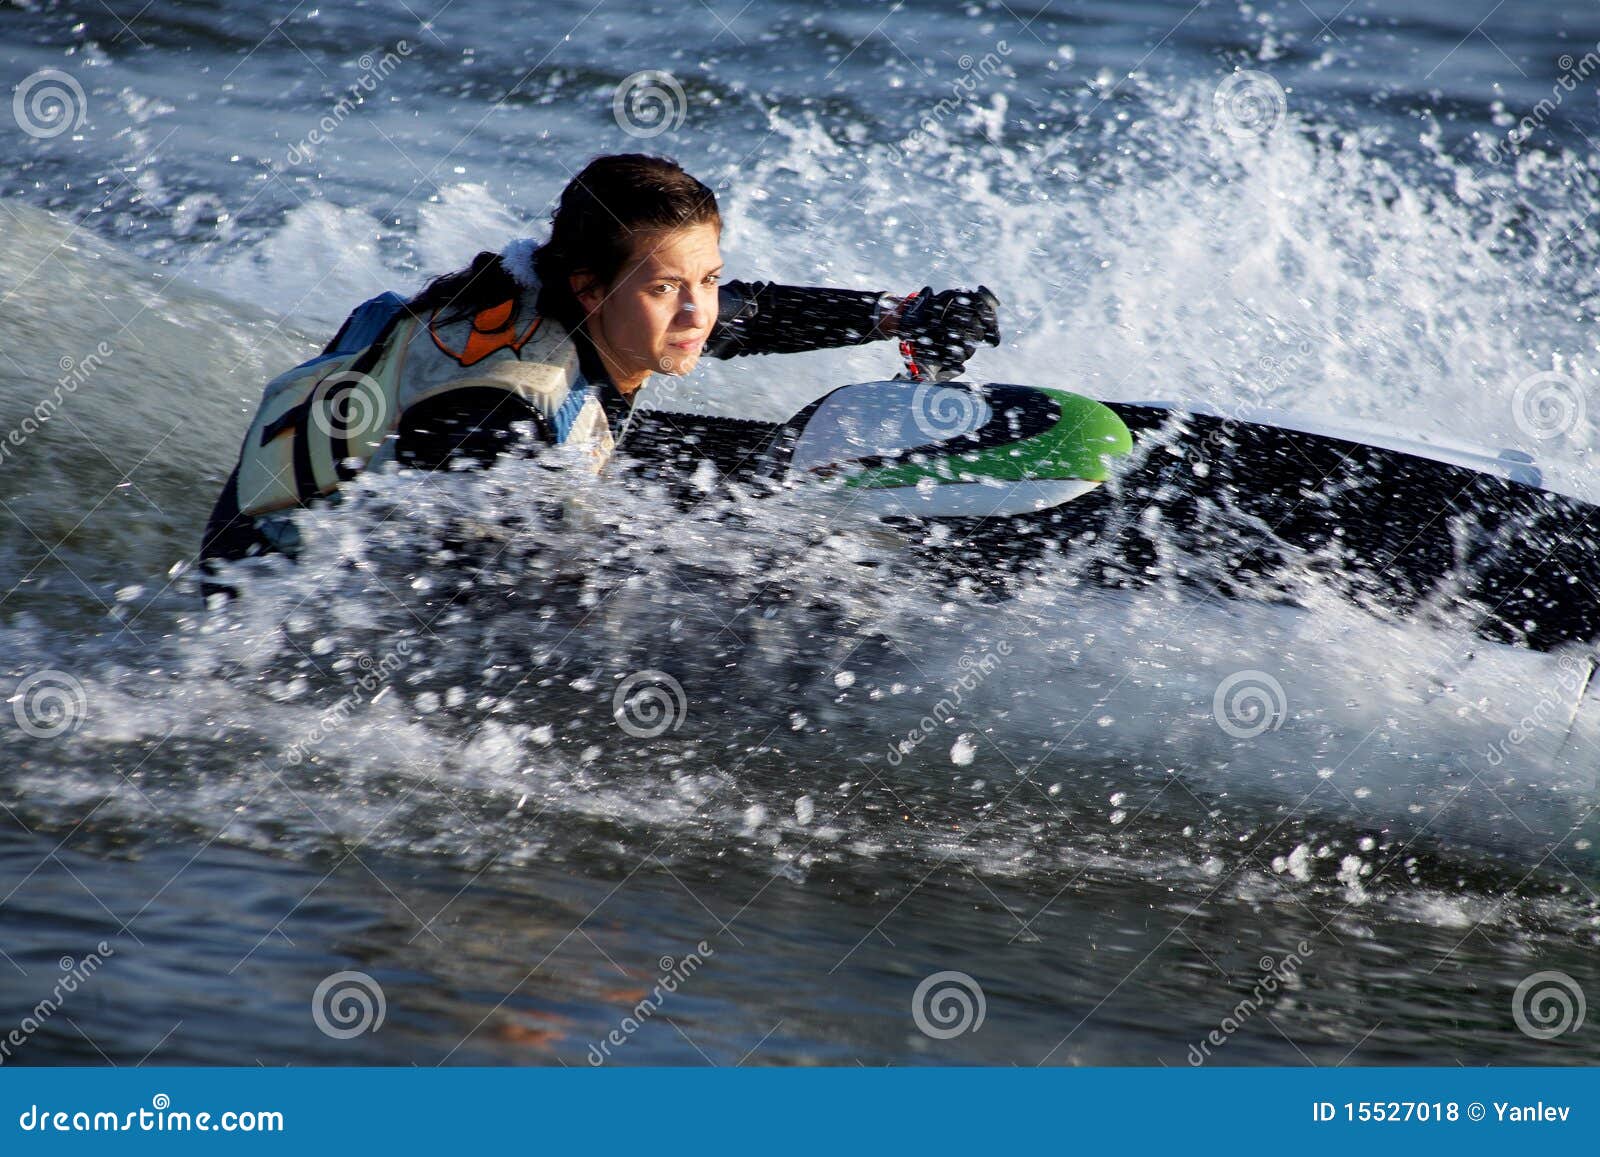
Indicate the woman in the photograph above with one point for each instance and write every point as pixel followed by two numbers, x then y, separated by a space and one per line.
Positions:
pixel 556 339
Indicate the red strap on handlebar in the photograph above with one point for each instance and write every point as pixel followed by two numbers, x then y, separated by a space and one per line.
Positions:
pixel 906 350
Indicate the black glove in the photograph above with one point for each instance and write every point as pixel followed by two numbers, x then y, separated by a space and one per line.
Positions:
pixel 944 329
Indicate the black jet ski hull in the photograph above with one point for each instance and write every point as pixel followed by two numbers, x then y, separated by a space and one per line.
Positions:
pixel 1248 509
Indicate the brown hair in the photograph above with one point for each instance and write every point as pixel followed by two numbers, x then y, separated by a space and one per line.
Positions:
pixel 602 213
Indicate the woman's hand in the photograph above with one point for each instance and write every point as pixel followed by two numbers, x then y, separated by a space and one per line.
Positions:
pixel 945 328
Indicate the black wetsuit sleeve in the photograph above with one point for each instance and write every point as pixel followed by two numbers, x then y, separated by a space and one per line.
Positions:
pixel 468 427
pixel 762 318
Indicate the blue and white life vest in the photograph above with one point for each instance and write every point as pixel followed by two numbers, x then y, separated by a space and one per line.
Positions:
pixel 328 418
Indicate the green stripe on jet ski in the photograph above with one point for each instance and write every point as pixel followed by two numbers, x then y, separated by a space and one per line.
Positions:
pixel 1078 446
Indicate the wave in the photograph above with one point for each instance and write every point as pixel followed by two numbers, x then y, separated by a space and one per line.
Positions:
pixel 822 677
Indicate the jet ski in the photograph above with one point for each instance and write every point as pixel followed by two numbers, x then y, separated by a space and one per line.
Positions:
pixel 1021 477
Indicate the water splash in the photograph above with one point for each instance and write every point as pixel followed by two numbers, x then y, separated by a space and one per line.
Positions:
pixel 1313 268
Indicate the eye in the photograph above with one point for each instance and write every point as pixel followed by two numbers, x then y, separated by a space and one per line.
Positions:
pixel 662 288
pixel 712 279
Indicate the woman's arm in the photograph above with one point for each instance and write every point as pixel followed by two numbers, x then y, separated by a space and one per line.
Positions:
pixel 763 318
pixel 943 329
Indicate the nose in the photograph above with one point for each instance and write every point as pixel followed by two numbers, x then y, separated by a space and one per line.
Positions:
pixel 698 307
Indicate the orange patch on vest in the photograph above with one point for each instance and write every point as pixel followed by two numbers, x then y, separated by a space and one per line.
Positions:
pixel 492 331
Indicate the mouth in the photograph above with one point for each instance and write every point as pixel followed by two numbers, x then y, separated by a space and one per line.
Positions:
pixel 689 345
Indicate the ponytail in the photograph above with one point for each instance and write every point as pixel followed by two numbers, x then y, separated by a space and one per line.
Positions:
pixel 462 294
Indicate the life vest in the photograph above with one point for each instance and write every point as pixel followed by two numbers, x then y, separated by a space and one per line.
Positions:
pixel 327 419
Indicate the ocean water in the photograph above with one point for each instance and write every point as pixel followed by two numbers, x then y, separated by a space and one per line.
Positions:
pixel 744 785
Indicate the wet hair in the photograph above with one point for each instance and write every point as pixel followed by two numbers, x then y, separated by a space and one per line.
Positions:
pixel 602 214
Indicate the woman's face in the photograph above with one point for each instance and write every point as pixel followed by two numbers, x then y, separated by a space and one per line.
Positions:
pixel 656 316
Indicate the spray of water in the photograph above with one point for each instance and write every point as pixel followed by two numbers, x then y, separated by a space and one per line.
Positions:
pixel 447 661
